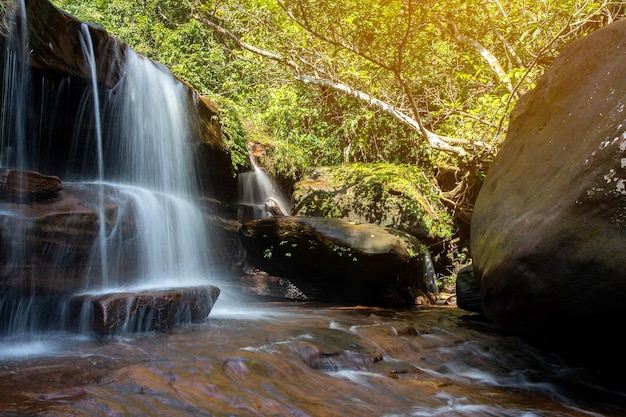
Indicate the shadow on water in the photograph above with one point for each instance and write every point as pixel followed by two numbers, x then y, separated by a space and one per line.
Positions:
pixel 286 359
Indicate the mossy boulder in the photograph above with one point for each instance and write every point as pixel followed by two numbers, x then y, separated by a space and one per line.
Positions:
pixel 398 196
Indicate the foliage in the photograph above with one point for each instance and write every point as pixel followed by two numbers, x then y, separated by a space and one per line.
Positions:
pixel 234 131
pixel 455 67
pixel 453 71
pixel 5 15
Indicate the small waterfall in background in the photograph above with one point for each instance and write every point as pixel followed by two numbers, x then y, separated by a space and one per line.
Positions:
pixel 136 152
pixel 255 188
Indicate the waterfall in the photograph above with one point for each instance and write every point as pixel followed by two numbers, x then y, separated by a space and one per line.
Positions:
pixel 148 159
pixel 255 188
pixel 88 52
pixel 16 85
pixel 132 146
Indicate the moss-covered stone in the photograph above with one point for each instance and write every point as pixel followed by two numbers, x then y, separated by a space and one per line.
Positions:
pixel 397 196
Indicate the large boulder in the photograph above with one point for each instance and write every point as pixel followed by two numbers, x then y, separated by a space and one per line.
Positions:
pixel 389 195
pixel 549 225
pixel 313 258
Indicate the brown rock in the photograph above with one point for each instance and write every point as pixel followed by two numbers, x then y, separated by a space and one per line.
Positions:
pixel 146 310
pixel 53 239
pixel 23 185
pixel 338 260
pixel 549 225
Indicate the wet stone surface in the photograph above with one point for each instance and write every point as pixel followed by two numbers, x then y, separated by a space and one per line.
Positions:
pixel 301 359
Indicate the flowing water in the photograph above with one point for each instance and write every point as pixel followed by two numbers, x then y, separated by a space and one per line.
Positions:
pixel 255 188
pixel 246 358
pixel 131 140
pixel 304 360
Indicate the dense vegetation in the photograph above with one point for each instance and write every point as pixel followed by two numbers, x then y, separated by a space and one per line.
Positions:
pixel 425 83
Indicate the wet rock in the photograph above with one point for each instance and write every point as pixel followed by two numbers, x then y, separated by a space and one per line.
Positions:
pixel 149 310
pixel 23 185
pixel 549 225
pixel 467 292
pixel 331 350
pixel 261 284
pixel 53 239
pixel 338 260
pixel 273 208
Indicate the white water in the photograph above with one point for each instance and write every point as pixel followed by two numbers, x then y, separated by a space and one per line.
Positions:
pixel 88 52
pixel 16 75
pixel 255 187
pixel 142 131
pixel 151 163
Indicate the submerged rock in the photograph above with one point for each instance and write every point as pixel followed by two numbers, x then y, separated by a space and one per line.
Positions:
pixel 549 225
pixel 338 260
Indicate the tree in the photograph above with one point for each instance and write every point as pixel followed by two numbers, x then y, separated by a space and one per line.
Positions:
pixel 438 78
pixel 450 71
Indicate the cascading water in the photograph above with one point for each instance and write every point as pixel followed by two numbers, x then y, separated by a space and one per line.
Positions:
pixel 88 52
pixel 151 164
pixel 255 188
pixel 16 86
pixel 140 135
pixel 18 311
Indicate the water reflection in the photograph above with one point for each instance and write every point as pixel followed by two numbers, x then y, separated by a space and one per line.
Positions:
pixel 308 360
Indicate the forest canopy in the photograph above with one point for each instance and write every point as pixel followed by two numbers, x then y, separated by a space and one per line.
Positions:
pixel 424 82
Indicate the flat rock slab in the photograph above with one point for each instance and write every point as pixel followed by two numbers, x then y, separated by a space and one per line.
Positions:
pixel 23 185
pixel 149 310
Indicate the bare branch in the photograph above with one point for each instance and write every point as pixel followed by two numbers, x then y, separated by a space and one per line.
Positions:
pixel 491 59
pixel 434 140
pixel 439 142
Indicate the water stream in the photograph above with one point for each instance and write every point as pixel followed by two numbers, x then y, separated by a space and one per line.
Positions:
pixel 88 52
pixel 314 360
pixel 247 358
pixel 255 188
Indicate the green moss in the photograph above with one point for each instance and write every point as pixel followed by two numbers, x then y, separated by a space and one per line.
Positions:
pixel 404 185
pixel 320 204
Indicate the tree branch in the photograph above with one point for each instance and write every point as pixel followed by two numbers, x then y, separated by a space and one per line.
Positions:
pixel 491 59
pixel 434 140
pixel 439 142
pixel 243 45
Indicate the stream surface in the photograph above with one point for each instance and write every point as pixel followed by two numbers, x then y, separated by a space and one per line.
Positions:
pixel 301 359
